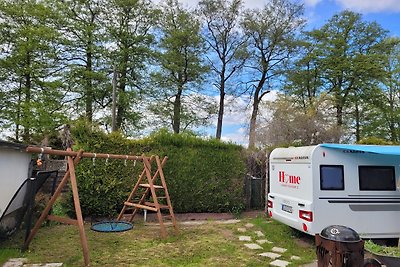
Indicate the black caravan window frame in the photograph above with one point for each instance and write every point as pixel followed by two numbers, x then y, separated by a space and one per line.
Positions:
pixel 368 170
pixel 340 179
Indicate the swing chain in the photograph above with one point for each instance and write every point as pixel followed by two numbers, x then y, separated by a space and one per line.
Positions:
pixel 108 156
pixel 94 159
pixel 126 160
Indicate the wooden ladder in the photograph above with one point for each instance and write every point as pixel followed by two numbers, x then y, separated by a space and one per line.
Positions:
pixel 135 203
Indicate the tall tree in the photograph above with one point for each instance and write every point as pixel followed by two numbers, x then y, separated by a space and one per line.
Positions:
pixel 272 31
pixel 29 65
pixel 181 66
pixel 382 117
pixel 227 45
pixel 128 25
pixel 349 57
pixel 84 53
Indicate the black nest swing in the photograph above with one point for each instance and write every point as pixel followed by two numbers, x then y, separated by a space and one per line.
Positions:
pixel 109 226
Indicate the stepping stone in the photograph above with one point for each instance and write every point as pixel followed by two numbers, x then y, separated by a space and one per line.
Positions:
pixel 270 255
pixel 242 230
pixel 280 263
pixel 263 241
pixel 295 258
pixel 253 246
pixel 259 233
pixel 232 221
pixel 279 250
pixel 56 264
pixel 244 238
pixel 249 225
pixel 15 262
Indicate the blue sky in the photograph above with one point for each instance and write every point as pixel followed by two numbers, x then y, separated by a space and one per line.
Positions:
pixel 384 12
pixel 317 13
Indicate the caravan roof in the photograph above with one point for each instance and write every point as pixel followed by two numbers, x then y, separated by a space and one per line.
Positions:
pixel 386 150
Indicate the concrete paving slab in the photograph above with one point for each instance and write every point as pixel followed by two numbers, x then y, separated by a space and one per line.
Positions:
pixel 313 264
pixel 270 255
pixel 15 262
pixel 249 225
pixel 193 222
pixel 233 221
pixel 295 258
pixel 263 241
pixel 279 250
pixel 280 263
pixel 259 233
pixel 253 246
pixel 244 238
pixel 242 230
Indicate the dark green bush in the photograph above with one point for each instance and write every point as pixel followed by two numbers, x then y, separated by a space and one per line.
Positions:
pixel 202 175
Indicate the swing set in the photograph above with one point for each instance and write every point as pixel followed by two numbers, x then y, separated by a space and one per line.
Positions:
pixel 146 181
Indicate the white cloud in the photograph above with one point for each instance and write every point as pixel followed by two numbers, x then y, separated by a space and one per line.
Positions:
pixel 311 3
pixel 246 3
pixel 371 6
pixel 239 137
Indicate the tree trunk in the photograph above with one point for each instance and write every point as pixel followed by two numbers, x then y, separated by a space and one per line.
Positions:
pixel 18 121
pixel 122 99
pixel 26 108
pixel 339 120
pixel 253 123
pixel 89 84
pixel 176 124
pixel 358 137
pixel 220 112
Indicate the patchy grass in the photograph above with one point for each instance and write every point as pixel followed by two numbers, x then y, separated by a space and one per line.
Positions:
pixel 209 244
pixel 382 250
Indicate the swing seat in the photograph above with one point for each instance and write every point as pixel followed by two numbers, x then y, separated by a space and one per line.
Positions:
pixel 111 226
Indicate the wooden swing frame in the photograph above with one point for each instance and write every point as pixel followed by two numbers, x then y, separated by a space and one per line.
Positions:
pixel 73 159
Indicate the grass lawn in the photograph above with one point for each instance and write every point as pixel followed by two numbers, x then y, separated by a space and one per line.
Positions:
pixel 208 244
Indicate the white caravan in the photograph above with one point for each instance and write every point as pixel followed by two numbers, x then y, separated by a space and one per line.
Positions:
pixel 357 186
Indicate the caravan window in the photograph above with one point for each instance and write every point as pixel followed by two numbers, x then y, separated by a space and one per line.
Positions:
pixel 331 177
pixel 377 178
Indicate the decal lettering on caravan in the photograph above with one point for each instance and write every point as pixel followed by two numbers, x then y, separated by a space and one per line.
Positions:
pixel 287 180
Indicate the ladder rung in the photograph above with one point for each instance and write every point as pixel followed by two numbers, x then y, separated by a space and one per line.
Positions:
pixel 151 204
pixel 139 206
pixel 148 186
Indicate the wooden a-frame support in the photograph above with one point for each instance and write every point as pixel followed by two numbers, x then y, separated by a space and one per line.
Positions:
pixel 73 158
pixel 69 175
pixel 150 187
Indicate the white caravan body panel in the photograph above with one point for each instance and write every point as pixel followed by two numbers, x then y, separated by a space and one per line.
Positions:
pixel 314 187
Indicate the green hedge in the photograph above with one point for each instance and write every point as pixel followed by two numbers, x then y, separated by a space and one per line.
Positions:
pixel 202 175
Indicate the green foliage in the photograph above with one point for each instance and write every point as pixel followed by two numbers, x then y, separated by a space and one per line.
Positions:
pixel 374 141
pixel 181 69
pixel 29 69
pixel 382 250
pixel 202 175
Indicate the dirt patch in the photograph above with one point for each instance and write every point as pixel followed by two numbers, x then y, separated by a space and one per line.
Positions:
pixel 182 217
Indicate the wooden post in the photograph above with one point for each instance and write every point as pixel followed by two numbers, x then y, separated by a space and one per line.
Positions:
pixel 46 211
pixel 78 211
